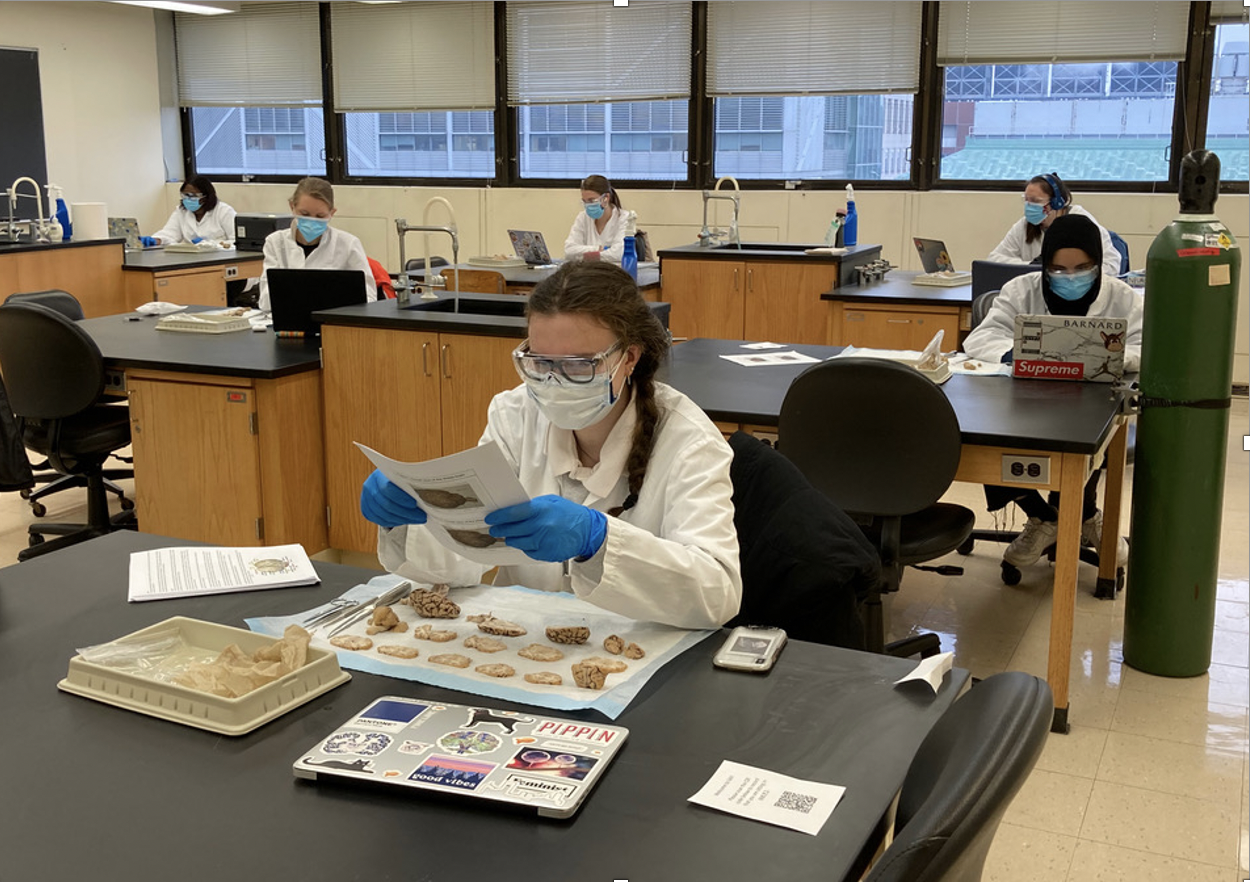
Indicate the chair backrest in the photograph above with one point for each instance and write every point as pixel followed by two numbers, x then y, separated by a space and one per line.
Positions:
pixel 475 281
pixel 62 301
pixel 981 307
pixel 1122 247
pixel 962 779
pixel 52 368
pixel 875 436
pixel 381 280
pixel 806 566
pixel 989 275
pixel 417 264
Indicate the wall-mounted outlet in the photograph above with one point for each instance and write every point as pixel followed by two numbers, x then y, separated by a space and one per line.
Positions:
pixel 1026 469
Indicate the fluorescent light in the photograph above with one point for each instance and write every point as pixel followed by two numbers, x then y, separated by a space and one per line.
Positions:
pixel 216 7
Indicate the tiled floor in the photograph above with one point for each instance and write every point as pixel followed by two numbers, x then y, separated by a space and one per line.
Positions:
pixel 1150 785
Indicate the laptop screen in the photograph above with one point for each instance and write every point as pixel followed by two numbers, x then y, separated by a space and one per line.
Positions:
pixel 530 246
pixel 1066 347
pixel 933 255
pixel 295 294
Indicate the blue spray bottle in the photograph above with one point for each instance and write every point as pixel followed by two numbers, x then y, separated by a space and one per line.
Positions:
pixel 850 230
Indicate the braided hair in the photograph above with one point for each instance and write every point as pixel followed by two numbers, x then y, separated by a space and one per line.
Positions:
pixel 608 294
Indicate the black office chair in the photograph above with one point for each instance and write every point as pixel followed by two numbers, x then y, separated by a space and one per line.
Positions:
pixel 806 566
pixel 416 265
pixel 1122 247
pixel 67 305
pixel 882 442
pixel 54 375
pixel 990 275
pixel 963 778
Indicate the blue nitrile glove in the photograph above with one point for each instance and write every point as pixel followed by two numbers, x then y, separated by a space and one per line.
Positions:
pixel 148 241
pixel 196 240
pixel 386 505
pixel 550 528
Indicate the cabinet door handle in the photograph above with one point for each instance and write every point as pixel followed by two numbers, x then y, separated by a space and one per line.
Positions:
pixel 750 280
pixel 898 321
pixel 425 359
pixel 735 280
pixel 445 358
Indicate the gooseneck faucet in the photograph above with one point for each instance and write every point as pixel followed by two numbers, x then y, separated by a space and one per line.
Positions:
pixel 708 236
pixel 432 280
pixel 38 228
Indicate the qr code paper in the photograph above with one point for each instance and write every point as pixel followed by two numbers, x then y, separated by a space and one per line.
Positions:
pixel 795 802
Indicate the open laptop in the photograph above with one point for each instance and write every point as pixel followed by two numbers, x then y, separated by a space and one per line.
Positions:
pixel 938 267
pixel 128 228
pixel 1069 347
pixel 530 246
pixel 530 760
pixel 295 294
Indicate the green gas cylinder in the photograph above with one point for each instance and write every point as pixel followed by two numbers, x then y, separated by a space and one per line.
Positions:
pixel 1188 329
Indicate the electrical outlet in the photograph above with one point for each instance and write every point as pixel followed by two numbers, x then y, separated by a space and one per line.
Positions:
pixel 232 272
pixel 1026 469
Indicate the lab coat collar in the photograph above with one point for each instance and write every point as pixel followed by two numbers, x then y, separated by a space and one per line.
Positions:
pixel 599 480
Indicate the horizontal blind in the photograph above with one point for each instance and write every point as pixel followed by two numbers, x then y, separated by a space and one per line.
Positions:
pixel 267 54
pixel 1229 12
pixel 1061 31
pixel 813 48
pixel 413 56
pixel 574 52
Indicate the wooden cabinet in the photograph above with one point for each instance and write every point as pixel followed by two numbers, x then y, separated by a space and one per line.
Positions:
pixel 92 273
pixel 229 460
pixel 707 298
pixel 201 286
pixel 887 326
pixel 413 395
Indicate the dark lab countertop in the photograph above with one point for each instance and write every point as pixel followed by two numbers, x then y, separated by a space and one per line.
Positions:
pixel 22 247
pixel 770 251
pixel 897 287
pixel 160 260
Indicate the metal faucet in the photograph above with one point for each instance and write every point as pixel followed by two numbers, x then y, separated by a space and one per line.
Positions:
pixel 403 290
pixel 39 229
pixel 708 236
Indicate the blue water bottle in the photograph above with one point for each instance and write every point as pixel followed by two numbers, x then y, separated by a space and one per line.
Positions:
pixel 850 230
pixel 629 258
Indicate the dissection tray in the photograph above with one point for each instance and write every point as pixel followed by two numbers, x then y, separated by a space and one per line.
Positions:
pixel 191 707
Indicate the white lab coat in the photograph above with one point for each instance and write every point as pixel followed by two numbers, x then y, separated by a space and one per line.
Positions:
pixel 337 250
pixel 995 336
pixel 217 226
pixel 1015 249
pixel 672 558
pixel 583 236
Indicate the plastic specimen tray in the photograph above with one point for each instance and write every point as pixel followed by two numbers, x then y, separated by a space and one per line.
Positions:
pixel 191 707
pixel 503 262
pixel 203 323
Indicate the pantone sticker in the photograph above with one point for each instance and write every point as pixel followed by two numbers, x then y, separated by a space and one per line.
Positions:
pixel 1218 275
pixel 530 789
pixel 389 714
pixel 454 772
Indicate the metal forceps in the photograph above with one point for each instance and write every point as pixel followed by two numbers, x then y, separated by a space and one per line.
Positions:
pixel 351 617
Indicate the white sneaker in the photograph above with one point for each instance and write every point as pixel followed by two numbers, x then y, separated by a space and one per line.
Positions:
pixel 1036 537
pixel 1091 535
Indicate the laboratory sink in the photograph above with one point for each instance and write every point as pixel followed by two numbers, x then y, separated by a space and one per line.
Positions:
pixel 510 306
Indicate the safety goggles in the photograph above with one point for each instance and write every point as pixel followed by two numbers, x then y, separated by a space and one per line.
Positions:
pixel 573 368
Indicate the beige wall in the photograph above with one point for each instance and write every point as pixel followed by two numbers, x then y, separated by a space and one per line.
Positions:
pixel 98 66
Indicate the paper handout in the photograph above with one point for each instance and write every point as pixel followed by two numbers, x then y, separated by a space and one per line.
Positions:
pixel 770 797
pixel 931 670
pixel 457 492
pixel 189 571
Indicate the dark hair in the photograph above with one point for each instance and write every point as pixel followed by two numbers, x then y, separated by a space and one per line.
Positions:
pixel 607 293
pixel 1056 189
pixel 206 188
pixel 599 184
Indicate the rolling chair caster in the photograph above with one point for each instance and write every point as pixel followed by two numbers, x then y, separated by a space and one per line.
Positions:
pixel 36 539
pixel 127 504
pixel 966 549
pixel 25 493
pixel 1011 574
pixel 38 509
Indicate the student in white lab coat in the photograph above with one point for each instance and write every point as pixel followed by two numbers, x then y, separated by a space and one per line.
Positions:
pixel 311 243
pixel 631 506
pixel 600 228
pixel 1073 282
pixel 200 216
pixel 1046 197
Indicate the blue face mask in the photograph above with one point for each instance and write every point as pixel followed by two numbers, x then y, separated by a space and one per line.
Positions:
pixel 311 228
pixel 1072 287
pixel 1034 213
pixel 595 210
pixel 190 203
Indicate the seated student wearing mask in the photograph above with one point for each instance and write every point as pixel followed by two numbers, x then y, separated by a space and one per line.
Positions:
pixel 599 230
pixel 1074 282
pixel 1046 198
pixel 311 243
pixel 631 505
pixel 199 216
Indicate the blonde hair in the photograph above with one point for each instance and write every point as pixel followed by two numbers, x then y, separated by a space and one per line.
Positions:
pixel 318 188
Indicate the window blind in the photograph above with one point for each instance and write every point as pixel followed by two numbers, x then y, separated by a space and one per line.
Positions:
pixel 413 56
pixel 1229 12
pixel 576 52
pixel 267 54
pixel 1061 31
pixel 813 48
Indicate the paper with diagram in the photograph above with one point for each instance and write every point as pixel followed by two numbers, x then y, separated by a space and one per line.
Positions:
pixel 457 492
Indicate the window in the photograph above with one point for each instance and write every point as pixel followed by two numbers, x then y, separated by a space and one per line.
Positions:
pixel 1228 123
pixel 624 115
pixel 251 82
pixel 1103 111
pixel 801 114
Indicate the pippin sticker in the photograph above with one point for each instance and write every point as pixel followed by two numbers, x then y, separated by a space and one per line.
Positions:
pixel 1218 275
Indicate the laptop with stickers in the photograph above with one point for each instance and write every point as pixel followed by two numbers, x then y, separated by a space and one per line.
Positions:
pixel 1067 347
pixel 938 268
pixel 537 762
pixel 128 228
pixel 530 246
